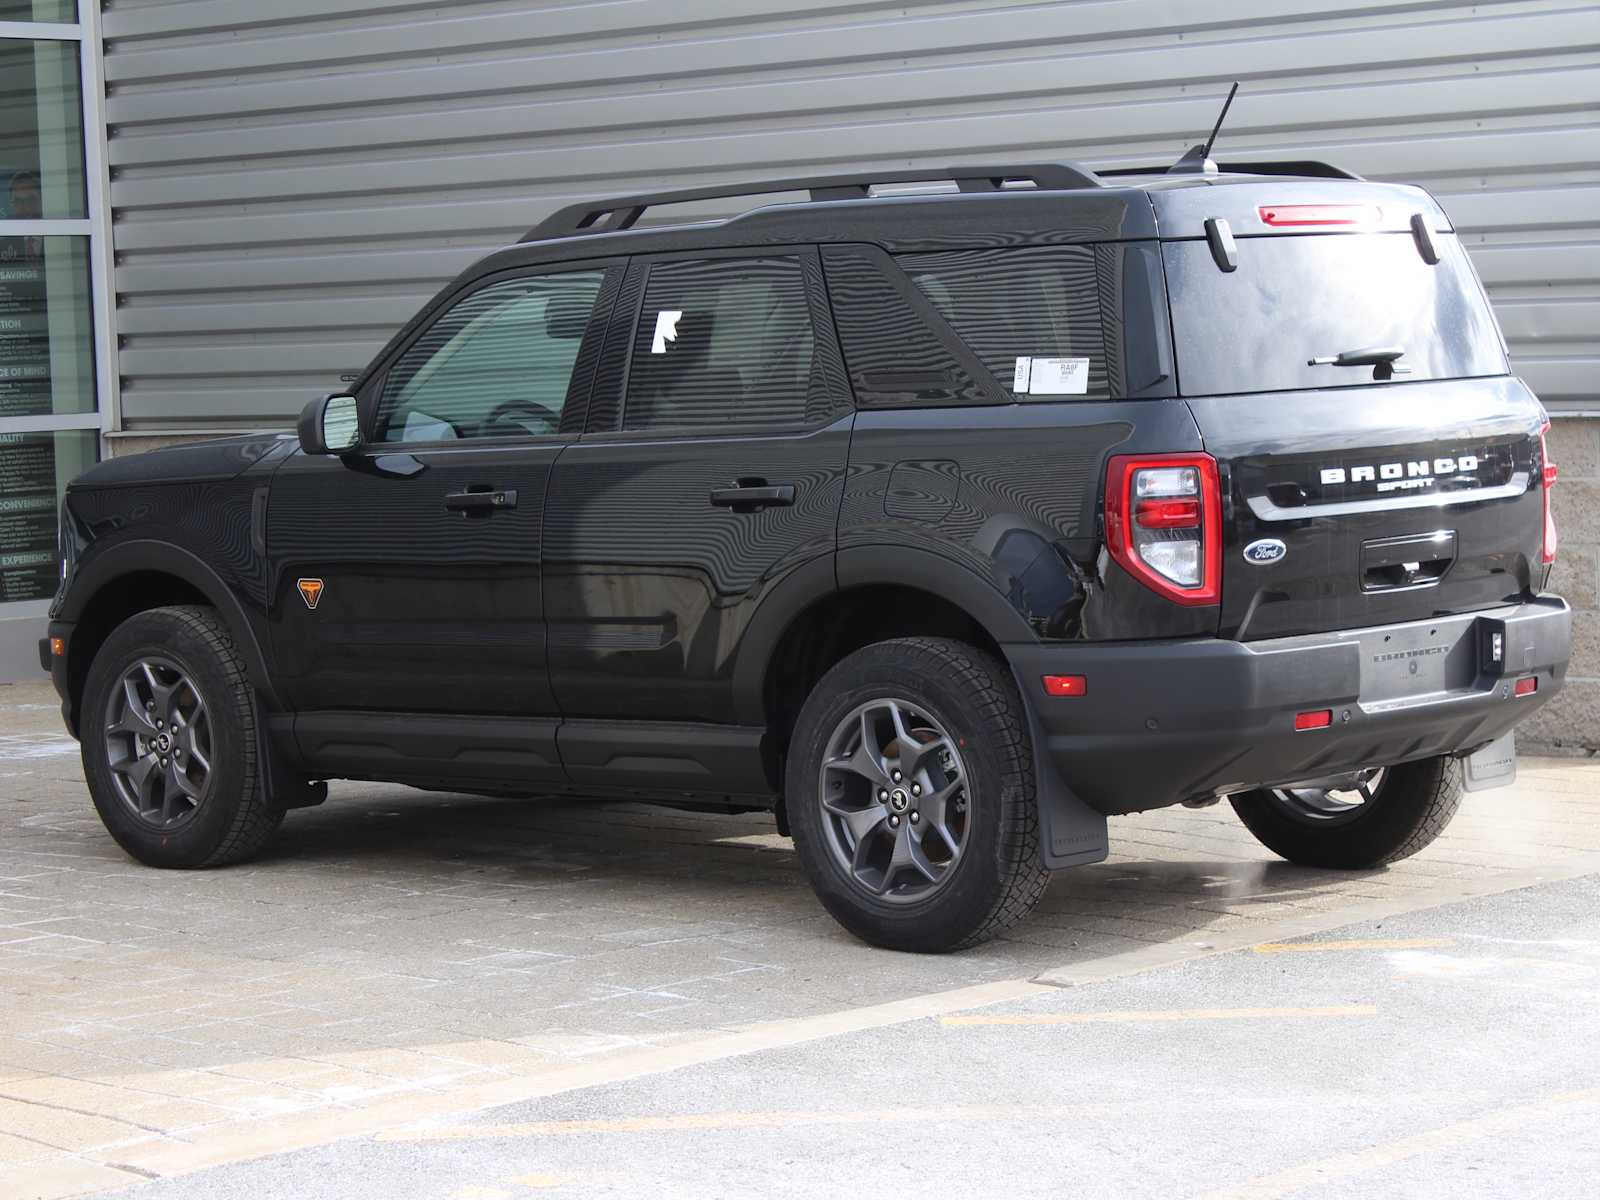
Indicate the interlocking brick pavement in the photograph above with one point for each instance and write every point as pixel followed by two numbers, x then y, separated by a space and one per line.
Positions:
pixel 396 945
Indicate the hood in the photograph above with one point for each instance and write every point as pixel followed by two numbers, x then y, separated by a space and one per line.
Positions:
pixel 193 462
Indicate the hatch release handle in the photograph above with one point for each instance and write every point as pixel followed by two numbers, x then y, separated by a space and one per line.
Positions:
pixel 1417 560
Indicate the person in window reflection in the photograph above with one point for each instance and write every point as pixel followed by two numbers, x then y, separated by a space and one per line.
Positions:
pixel 23 204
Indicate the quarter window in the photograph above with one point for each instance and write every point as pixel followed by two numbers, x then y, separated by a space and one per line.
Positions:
pixel 1033 316
pixel 497 364
pixel 722 342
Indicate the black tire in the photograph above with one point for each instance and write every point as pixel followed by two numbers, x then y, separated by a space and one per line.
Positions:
pixel 232 818
pixel 1411 807
pixel 998 878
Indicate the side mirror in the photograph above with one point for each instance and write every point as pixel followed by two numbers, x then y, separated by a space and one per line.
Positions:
pixel 329 425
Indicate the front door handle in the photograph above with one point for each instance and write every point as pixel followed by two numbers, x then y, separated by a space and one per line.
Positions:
pixel 481 501
pixel 752 495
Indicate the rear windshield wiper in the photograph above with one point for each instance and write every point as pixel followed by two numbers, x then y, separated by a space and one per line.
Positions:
pixel 1380 358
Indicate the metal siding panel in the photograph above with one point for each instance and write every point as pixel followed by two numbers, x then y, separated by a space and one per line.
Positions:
pixel 291 181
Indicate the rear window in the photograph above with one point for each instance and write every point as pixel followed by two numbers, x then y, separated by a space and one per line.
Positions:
pixel 1298 297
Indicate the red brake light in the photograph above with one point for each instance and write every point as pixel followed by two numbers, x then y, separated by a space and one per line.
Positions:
pixel 1164 523
pixel 1167 514
pixel 1548 480
pixel 1288 216
pixel 1318 719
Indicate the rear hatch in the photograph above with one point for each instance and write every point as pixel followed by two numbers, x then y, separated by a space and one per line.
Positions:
pixel 1365 490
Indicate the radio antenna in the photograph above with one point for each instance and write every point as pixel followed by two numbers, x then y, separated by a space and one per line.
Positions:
pixel 1221 117
pixel 1197 159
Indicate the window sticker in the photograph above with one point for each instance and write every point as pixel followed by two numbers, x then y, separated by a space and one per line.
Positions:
pixel 666 329
pixel 1058 376
pixel 1020 381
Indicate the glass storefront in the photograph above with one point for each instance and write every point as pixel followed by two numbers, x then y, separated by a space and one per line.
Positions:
pixel 34 471
pixel 46 328
pixel 49 395
pixel 62 11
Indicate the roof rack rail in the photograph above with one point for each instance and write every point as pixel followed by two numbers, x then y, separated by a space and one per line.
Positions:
pixel 1308 167
pixel 623 212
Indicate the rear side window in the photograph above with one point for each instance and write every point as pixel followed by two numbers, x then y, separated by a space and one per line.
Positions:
pixel 721 343
pixel 1032 316
pixel 1295 298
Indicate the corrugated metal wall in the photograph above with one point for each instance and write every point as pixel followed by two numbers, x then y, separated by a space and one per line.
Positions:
pixel 291 179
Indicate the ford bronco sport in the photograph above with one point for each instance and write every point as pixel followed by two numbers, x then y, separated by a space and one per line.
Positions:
pixel 944 525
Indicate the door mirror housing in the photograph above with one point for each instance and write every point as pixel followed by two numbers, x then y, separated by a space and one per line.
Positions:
pixel 330 425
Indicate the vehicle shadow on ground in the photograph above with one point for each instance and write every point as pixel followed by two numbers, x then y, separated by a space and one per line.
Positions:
pixel 655 855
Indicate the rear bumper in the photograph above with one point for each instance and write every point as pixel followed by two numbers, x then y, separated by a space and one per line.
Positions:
pixel 1164 722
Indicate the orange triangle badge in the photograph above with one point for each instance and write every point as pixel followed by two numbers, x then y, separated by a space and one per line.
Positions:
pixel 310 592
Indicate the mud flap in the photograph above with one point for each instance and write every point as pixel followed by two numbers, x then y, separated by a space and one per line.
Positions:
pixel 1493 766
pixel 1071 834
pixel 281 784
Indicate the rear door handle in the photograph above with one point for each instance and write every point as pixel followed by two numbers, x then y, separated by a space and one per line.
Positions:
pixel 750 495
pixel 480 501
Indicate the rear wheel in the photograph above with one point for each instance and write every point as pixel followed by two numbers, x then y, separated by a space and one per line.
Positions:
pixel 1356 820
pixel 168 733
pixel 910 796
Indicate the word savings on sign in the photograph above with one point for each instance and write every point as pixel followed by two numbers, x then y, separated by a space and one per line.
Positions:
pixel 1398 476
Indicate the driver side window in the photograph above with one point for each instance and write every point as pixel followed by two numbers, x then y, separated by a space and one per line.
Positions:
pixel 496 364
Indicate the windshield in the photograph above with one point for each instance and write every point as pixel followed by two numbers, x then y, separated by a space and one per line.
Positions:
pixel 1296 298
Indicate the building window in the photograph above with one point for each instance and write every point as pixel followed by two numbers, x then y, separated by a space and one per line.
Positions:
pixel 62 12
pixel 50 419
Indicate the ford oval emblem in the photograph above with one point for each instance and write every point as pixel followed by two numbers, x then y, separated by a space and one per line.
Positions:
pixel 1267 550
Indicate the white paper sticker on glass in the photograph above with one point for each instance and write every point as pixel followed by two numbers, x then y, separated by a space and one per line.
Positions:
pixel 1058 376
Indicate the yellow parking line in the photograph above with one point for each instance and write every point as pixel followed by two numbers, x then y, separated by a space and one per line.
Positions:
pixel 722 1121
pixel 1329 1170
pixel 1358 944
pixel 544 1179
pixel 1179 1014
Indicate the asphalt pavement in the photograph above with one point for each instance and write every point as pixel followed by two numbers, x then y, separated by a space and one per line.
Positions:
pixel 1451 1052
pixel 655 1004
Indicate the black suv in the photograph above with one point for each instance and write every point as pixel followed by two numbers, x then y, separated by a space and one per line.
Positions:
pixel 944 525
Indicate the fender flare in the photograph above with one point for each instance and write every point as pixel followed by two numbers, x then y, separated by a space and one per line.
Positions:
pixel 1070 833
pixel 862 566
pixel 128 558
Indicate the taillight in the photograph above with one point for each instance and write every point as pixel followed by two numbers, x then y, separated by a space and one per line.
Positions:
pixel 1548 480
pixel 1294 216
pixel 1164 523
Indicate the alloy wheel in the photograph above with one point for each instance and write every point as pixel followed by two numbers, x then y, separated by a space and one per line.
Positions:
pixel 1338 798
pixel 894 798
pixel 158 743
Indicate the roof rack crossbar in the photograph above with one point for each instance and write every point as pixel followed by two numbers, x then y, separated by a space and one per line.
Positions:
pixel 1308 167
pixel 623 212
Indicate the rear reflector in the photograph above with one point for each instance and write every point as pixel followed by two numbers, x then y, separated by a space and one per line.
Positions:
pixel 1066 685
pixel 1320 719
pixel 1294 216
pixel 1528 686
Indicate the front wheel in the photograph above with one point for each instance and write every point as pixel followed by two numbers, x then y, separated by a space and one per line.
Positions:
pixel 910 795
pixel 1358 820
pixel 168 732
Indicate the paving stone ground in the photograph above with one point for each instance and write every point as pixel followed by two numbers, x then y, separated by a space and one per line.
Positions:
pixel 396 951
